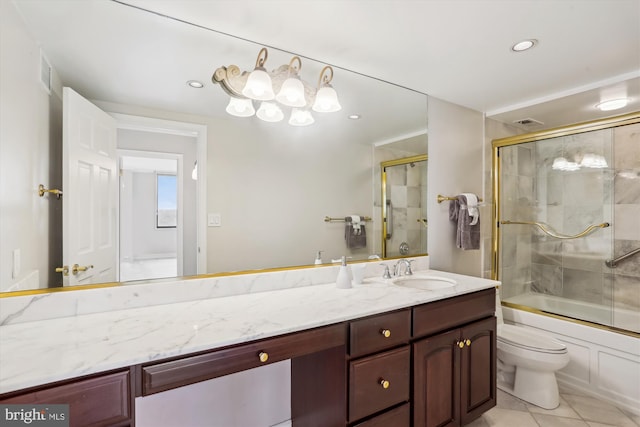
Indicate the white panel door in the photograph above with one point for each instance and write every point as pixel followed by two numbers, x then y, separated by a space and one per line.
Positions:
pixel 90 183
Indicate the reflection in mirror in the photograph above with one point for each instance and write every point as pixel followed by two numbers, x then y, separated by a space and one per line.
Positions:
pixel 262 189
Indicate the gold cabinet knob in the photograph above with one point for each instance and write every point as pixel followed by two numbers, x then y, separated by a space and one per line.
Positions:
pixel 468 342
pixel 384 383
pixel 76 268
pixel 385 333
pixel 64 270
pixel 461 344
pixel 264 356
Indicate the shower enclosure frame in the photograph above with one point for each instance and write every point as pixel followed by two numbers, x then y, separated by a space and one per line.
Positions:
pixel 607 123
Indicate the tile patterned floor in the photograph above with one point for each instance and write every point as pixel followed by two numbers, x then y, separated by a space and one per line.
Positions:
pixel 576 410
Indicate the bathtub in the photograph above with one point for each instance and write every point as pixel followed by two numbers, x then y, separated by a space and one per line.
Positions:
pixel 604 363
pixel 627 320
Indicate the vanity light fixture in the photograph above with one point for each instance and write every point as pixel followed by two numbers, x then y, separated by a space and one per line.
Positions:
pixel 524 45
pixel 613 104
pixel 293 93
pixel 195 84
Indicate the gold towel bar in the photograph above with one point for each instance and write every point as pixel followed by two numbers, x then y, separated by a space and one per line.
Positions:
pixel 442 198
pixel 548 231
pixel 42 191
pixel 330 219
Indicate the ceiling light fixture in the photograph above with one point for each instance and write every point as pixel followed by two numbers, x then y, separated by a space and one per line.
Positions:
pixel 282 85
pixel 354 116
pixel 195 84
pixel 524 45
pixel 613 104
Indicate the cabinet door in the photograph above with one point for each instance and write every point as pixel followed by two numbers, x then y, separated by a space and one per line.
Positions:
pixel 436 387
pixel 478 373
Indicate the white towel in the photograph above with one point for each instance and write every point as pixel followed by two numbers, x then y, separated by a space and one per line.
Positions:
pixel 355 224
pixel 472 207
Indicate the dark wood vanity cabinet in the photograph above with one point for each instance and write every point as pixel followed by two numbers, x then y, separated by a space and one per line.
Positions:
pixel 429 365
pixel 98 400
pixel 455 371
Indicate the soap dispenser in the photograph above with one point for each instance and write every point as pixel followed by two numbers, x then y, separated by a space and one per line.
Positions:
pixel 318 258
pixel 344 277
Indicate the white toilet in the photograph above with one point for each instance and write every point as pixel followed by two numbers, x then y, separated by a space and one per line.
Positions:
pixel 527 362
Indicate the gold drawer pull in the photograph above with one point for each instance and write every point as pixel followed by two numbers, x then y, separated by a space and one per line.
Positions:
pixel 468 342
pixel 76 268
pixel 64 270
pixel 385 333
pixel 264 356
pixel 384 383
pixel 460 344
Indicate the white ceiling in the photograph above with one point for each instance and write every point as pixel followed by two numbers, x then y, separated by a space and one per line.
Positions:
pixel 456 50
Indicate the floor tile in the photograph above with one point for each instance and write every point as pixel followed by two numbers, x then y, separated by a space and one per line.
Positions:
pixel 507 401
pixel 498 417
pixel 564 410
pixel 591 409
pixel 553 421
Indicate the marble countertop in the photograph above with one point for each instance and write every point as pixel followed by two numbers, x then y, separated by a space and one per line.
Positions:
pixel 40 352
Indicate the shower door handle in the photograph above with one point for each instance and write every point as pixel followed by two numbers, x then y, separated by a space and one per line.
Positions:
pixel 389 219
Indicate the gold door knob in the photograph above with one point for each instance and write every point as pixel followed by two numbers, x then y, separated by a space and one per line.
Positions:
pixel 468 342
pixel 385 333
pixel 461 344
pixel 264 356
pixel 76 268
pixel 64 270
pixel 384 383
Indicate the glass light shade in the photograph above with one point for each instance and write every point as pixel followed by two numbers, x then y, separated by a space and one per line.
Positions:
pixel 270 112
pixel 593 161
pixel 194 172
pixel 259 86
pixel 326 100
pixel 291 93
pixel 240 107
pixel 614 104
pixel 301 118
pixel 560 163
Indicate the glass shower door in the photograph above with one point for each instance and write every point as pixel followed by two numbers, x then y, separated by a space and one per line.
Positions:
pixel 556 207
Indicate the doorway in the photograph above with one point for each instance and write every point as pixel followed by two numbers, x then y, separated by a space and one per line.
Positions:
pixel 151 215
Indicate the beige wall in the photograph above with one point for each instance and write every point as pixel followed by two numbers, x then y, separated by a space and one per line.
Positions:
pixel 30 144
pixel 455 166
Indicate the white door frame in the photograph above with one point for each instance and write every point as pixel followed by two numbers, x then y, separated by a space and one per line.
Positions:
pixel 199 132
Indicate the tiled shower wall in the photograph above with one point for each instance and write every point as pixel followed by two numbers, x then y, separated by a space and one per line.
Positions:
pixel 569 201
pixel 406 188
pixel 626 277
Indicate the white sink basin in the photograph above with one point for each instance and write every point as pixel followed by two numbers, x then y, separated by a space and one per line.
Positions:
pixel 426 283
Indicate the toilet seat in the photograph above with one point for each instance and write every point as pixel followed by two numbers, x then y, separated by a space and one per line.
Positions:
pixel 529 339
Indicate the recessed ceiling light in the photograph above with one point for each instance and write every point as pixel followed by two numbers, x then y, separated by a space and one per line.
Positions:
pixel 524 45
pixel 613 104
pixel 354 116
pixel 195 84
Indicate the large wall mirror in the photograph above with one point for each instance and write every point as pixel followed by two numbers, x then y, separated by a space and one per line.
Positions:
pixel 197 190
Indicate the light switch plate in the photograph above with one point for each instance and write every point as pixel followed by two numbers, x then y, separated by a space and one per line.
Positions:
pixel 214 220
pixel 16 263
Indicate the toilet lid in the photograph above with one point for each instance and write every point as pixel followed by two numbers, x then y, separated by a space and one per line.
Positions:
pixel 529 339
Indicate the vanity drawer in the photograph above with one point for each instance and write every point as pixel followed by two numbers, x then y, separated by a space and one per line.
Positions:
pixel 397 417
pixel 163 376
pixel 378 382
pixel 379 332
pixel 453 312
pixel 103 400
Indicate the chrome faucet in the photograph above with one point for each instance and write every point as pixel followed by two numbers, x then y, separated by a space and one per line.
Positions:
pixel 407 269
